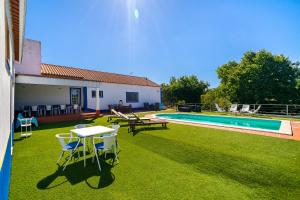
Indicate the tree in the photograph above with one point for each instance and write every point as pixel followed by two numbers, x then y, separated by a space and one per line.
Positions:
pixel 214 96
pixel 185 88
pixel 260 77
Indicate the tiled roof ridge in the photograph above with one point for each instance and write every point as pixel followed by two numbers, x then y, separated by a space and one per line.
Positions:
pixel 79 68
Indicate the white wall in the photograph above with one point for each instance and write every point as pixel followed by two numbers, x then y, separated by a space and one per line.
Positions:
pixel 5 86
pixel 31 61
pixel 112 93
pixel 41 95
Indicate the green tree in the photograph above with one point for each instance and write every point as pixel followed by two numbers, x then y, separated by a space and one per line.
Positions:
pixel 185 88
pixel 214 96
pixel 260 77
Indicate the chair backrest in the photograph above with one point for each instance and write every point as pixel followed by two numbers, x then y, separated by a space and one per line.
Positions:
pixel 48 107
pixel 62 107
pixel 122 115
pixel 78 126
pixel 109 141
pixel 245 108
pixel 233 107
pixel 116 128
pixel 34 108
pixel 61 138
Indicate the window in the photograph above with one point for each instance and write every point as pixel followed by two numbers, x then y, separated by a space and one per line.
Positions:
pixel 132 97
pixel 100 94
pixel 94 94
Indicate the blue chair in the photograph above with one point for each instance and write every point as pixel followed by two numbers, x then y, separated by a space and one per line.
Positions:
pixel 108 144
pixel 70 146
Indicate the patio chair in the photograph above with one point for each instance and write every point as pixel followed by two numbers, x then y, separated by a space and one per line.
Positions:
pixel 233 108
pixel 245 108
pixel 116 128
pixel 107 145
pixel 27 111
pixel 139 122
pixel 62 108
pixel 76 108
pixel 72 144
pixel 254 111
pixel 25 123
pixel 34 109
pixel 49 109
pixel 218 108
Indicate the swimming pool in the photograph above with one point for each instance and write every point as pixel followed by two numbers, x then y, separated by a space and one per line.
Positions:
pixel 277 126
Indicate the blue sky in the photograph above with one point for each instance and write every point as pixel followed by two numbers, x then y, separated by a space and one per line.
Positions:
pixel 161 38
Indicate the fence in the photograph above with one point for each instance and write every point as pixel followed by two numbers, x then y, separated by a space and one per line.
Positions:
pixel 290 110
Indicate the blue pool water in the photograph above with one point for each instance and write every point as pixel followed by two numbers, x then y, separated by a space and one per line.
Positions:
pixel 250 123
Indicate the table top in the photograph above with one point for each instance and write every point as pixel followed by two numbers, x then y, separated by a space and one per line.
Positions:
pixel 90 131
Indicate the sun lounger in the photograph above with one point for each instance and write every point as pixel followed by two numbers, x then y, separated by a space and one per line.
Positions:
pixel 254 111
pixel 245 108
pixel 126 118
pixel 233 108
pixel 140 122
pixel 219 109
pixel 116 115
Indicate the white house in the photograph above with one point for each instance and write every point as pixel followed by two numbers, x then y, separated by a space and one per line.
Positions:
pixel 12 16
pixel 47 84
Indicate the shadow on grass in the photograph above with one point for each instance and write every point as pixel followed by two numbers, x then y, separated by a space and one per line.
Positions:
pixel 75 173
pixel 246 171
pixel 148 128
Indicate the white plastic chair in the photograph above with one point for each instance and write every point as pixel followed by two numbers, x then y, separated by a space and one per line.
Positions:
pixel 26 122
pixel 76 108
pixel 78 126
pixel 62 109
pixel 70 146
pixel 108 144
pixel 34 109
pixel 49 108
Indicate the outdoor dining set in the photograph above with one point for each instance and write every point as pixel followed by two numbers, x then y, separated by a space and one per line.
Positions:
pixel 103 140
pixel 49 110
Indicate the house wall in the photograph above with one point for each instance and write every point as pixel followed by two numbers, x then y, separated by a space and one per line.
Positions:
pixel 6 78
pixel 112 93
pixel 27 94
pixel 31 61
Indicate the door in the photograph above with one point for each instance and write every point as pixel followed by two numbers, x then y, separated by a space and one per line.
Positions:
pixel 75 96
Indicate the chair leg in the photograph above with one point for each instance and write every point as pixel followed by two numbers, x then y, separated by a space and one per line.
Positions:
pixel 72 153
pixel 61 155
pixel 116 156
pixel 97 157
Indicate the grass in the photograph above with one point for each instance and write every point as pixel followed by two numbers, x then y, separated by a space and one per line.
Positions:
pixel 181 162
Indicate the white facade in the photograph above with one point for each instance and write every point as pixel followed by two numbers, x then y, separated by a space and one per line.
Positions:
pixel 112 93
pixel 6 74
pixel 32 90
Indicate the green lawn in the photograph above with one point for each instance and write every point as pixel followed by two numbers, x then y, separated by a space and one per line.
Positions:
pixel 181 162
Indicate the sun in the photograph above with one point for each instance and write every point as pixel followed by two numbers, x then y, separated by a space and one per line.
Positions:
pixel 136 13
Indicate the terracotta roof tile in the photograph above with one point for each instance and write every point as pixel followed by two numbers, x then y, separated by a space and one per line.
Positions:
pixel 57 71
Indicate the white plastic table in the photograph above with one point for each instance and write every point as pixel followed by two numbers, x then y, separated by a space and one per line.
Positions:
pixel 90 131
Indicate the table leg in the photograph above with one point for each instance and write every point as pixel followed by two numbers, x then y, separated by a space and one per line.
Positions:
pixel 84 152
